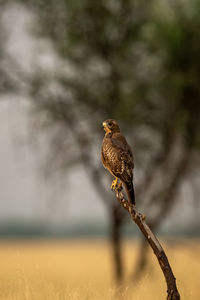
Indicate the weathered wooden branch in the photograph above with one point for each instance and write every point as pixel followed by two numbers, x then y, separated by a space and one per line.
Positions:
pixel 139 219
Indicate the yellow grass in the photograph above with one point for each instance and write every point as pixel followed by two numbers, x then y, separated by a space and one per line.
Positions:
pixel 82 270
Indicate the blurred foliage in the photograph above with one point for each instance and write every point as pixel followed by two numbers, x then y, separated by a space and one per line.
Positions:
pixel 98 40
pixel 131 60
pixel 178 36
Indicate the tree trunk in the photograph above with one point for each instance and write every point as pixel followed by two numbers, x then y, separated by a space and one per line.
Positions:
pixel 116 219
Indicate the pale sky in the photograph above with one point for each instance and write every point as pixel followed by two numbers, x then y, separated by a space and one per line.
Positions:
pixel 24 192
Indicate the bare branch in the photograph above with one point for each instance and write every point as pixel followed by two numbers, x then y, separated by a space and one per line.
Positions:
pixel 139 219
pixel 165 200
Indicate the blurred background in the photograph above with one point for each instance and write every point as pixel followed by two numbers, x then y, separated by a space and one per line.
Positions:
pixel 66 66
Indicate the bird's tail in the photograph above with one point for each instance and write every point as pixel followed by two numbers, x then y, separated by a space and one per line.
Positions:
pixel 130 192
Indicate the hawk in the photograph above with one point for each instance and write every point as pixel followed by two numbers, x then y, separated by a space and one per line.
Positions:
pixel 117 157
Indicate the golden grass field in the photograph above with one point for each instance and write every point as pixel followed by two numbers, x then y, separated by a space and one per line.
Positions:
pixel 73 270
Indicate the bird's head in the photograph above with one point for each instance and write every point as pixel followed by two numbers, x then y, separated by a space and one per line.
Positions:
pixel 111 125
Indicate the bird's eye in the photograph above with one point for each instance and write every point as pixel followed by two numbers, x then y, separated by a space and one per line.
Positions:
pixel 110 124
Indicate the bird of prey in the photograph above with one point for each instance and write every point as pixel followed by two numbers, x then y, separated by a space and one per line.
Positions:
pixel 117 157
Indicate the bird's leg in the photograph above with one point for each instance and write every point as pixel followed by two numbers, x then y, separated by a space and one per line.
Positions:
pixel 115 184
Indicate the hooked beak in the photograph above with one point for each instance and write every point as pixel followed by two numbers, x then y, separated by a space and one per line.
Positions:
pixel 105 127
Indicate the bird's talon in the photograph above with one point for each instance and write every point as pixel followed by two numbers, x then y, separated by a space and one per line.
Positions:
pixel 115 185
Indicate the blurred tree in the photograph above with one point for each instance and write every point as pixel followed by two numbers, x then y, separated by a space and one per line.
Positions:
pixel 98 44
pixel 135 61
pixel 174 36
